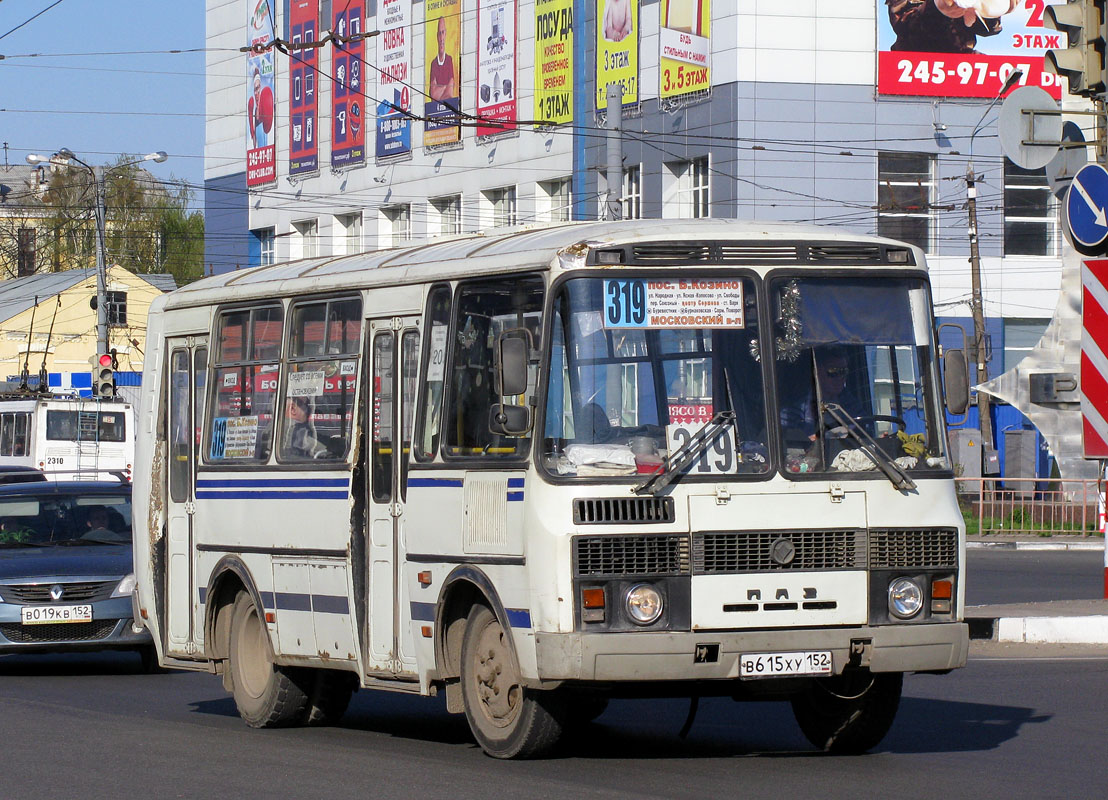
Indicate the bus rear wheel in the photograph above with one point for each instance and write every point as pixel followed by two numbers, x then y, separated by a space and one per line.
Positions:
pixel 507 719
pixel 848 713
pixel 267 695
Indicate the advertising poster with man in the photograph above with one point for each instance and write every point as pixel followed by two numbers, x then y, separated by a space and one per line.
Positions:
pixel 303 99
pixel 394 79
pixel 261 124
pixel 963 48
pixel 496 65
pixel 685 58
pixel 554 61
pixel 617 50
pixel 442 58
pixel 348 88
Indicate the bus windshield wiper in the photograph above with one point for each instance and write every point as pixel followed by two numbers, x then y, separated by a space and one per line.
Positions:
pixel 893 471
pixel 676 462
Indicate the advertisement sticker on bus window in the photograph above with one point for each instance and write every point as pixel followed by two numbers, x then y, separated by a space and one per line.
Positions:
pixel 436 367
pixel 108 419
pixel 241 437
pixel 307 384
pixel 230 379
pixel 673 303
pixel 348 368
pixel 268 368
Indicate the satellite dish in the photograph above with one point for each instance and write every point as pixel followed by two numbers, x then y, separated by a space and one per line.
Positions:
pixel 1064 165
pixel 1017 128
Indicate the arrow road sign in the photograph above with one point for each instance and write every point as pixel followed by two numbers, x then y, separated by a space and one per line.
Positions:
pixel 1086 201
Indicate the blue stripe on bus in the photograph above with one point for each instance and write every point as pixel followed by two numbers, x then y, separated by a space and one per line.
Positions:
pixel 518 617
pixel 330 604
pixel 272 495
pixel 515 483
pixel 423 612
pixel 272 483
pixel 433 483
pixel 515 497
pixel 293 601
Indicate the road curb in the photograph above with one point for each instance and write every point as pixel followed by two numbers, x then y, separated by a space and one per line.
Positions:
pixel 1035 546
pixel 1041 630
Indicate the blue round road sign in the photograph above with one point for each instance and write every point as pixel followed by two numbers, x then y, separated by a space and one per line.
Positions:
pixel 1086 201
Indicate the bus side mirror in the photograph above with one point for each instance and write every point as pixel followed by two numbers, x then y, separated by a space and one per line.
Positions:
pixel 506 420
pixel 512 358
pixel 956 381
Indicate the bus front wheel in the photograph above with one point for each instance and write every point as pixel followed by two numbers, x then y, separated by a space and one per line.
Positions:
pixel 267 695
pixel 848 713
pixel 507 719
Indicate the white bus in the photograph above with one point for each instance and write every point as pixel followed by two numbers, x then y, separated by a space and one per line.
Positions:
pixel 540 469
pixel 68 438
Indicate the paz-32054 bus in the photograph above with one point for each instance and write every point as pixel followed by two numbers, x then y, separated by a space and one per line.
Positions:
pixel 543 468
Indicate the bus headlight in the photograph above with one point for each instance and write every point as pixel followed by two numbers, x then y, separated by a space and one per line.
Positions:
pixel 125 587
pixel 644 604
pixel 905 598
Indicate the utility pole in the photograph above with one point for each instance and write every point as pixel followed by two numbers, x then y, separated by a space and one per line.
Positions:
pixel 613 208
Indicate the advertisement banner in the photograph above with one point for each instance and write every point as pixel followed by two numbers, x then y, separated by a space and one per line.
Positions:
pixel 554 61
pixel 261 149
pixel 442 58
pixel 303 100
pixel 496 64
pixel 348 88
pixel 685 44
pixel 394 79
pixel 617 49
pixel 963 48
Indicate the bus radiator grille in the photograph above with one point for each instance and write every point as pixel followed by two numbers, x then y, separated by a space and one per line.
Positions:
pixel 595 556
pixel 913 548
pixel 622 510
pixel 766 551
pixel 61 632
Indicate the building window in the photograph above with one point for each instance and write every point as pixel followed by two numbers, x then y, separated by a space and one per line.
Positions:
pixel 117 308
pixel 685 189
pixel 1020 338
pixel 502 206
pixel 554 201
pixel 305 239
pixel 348 234
pixel 905 191
pixel 632 193
pixel 267 240
pixel 449 212
pixel 25 265
pixel 396 225
pixel 1030 212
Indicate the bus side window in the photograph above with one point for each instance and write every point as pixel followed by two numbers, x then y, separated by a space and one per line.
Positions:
pixel 7 431
pixel 19 442
pixel 434 373
pixel 244 389
pixel 484 311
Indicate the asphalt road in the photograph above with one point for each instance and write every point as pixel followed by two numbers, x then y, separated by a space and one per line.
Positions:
pixel 93 727
pixel 995 575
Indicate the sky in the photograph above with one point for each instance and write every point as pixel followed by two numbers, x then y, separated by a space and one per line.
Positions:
pixel 95 76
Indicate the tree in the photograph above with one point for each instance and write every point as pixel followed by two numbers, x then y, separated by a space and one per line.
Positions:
pixel 149 227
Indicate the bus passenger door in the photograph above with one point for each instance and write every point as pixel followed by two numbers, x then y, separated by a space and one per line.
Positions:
pixel 393 367
pixel 188 363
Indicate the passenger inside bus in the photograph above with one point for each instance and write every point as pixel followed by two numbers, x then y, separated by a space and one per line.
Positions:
pixel 300 436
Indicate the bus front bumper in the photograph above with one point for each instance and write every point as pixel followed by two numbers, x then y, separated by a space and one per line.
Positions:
pixel 715 655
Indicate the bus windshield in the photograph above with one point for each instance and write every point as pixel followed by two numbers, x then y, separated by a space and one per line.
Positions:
pixel 855 368
pixel 639 365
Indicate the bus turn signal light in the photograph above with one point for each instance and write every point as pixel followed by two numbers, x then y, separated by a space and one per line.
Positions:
pixel 941 593
pixel 592 604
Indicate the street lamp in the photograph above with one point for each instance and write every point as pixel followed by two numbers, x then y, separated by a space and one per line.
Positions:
pixel 64 158
pixel 975 269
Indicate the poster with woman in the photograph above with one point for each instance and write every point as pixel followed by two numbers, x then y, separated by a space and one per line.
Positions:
pixel 963 48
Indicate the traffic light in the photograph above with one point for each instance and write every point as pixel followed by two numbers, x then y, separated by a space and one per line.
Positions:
pixel 1082 61
pixel 103 377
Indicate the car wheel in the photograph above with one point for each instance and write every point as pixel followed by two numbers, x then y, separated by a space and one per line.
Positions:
pixel 267 695
pixel 508 719
pixel 848 713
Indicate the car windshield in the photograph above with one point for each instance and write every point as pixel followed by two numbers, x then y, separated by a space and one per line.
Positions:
pixel 640 365
pixel 64 519
pixel 855 368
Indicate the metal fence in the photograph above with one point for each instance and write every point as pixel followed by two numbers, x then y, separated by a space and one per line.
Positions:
pixel 1030 506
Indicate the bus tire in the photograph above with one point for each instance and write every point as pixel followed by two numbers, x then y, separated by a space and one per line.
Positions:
pixel 267 695
pixel 328 697
pixel 508 720
pixel 848 713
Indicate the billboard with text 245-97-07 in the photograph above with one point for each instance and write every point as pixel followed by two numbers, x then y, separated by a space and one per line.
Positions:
pixel 963 48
